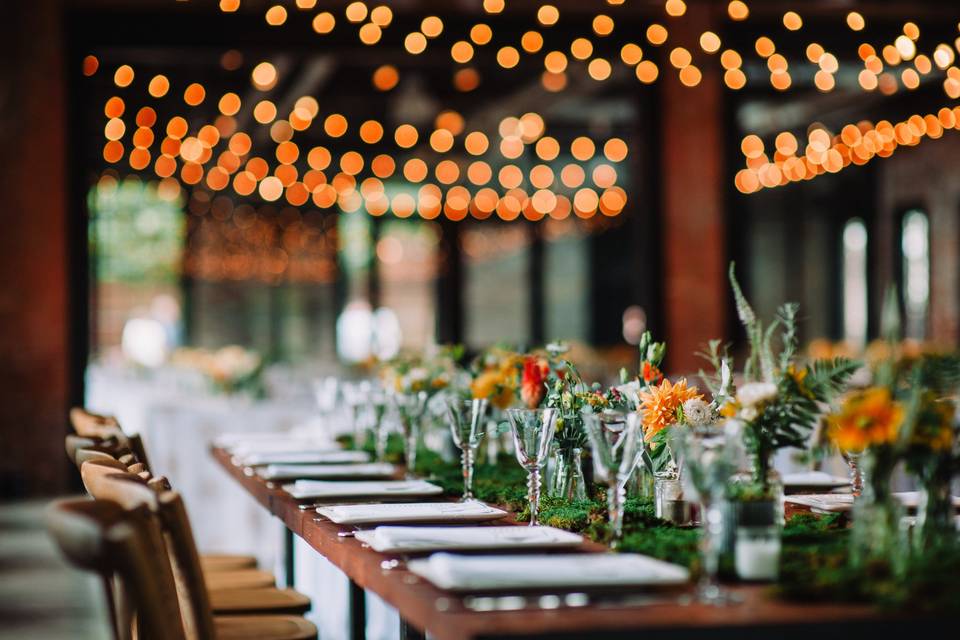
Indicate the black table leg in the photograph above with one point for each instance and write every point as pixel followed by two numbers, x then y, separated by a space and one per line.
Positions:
pixel 358 612
pixel 410 632
pixel 288 557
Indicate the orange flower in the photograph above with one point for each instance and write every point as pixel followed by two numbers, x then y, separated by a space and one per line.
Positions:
pixel 651 374
pixel 659 405
pixel 492 385
pixel 868 417
pixel 532 387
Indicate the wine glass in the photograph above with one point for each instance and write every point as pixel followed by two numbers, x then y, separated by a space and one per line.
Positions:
pixel 410 408
pixel 613 440
pixel 707 464
pixel 852 458
pixel 325 392
pixel 378 409
pixel 356 395
pixel 533 431
pixel 466 419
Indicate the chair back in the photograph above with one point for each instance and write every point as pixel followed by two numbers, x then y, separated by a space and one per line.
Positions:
pixel 93 425
pixel 117 543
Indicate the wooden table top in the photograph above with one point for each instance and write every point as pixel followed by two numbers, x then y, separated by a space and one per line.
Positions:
pixel 446 617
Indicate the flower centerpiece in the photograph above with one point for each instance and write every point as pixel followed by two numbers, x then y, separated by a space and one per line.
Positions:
pixel 230 369
pixel 780 402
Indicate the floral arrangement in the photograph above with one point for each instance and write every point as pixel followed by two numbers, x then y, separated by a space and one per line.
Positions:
pixel 409 374
pixel 230 369
pixel 496 375
pixel 651 357
pixel 779 404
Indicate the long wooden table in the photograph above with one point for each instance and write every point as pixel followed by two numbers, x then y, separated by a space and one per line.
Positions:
pixel 445 616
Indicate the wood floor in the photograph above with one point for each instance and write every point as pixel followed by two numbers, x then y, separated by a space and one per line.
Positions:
pixel 40 595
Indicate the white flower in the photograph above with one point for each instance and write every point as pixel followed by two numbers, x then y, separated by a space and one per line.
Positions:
pixel 697 412
pixel 749 413
pixel 755 393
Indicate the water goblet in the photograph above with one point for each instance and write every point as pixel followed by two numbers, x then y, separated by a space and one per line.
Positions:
pixel 378 409
pixel 357 395
pixel 613 440
pixel 707 464
pixel 467 421
pixel 533 431
pixel 410 408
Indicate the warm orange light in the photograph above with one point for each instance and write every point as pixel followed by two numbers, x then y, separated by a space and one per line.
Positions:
pixel 855 21
pixel 383 166
pixel 582 148
pixel 541 176
pixel 447 172
pixel 281 131
pixel 276 16
pixel 244 183
pixel 510 176
pixel 481 34
pixel 166 166
pixel 709 42
pixel 461 51
pixel 356 11
pixel 508 57
pixel 680 57
pixel 734 79
pixel 752 146
pixel 319 158
pixel 113 151
pixel 415 170
pixel 441 140
pixel 603 25
pixel 264 76
pixel 786 143
pixel 910 78
pixel 406 136
pixel 511 148
pixel 177 127
pixel 287 152
pixel 194 94
pixel 466 79
pixel 371 131
pixel 656 34
pixel 792 21
pixel 647 72
pixel 264 112
pixel 675 8
pixel 142 138
pixel 599 69
pixel 114 129
pixel 351 163
pixel 547 148
pixel 139 159
pixel 90 65
pixel 555 62
pixel 370 34
pixel 123 76
pixel 737 10
pixel 531 41
pixel 824 81
pixel 114 107
pixel 476 143
pixel 631 53
pixel 451 121
pixel 381 15
pixel 479 172
pixel 158 87
pixel 385 77
pixel 730 59
pixel 548 15
pixel 335 125
pixel 324 22
pixel 553 82
pixel 765 47
pixel 615 150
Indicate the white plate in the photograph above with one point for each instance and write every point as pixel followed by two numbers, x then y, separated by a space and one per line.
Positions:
pixel 411 512
pixel 815 479
pixel 309 489
pixel 483 573
pixel 410 539
pixel 326 471
pixel 319 456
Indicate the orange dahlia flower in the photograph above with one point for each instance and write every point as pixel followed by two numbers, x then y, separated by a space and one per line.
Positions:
pixel 659 404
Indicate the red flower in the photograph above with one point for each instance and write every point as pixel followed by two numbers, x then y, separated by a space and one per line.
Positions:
pixel 651 375
pixel 532 384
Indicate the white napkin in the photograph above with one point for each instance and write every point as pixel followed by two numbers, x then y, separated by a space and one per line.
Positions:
pixel 276 443
pixel 411 512
pixel 814 479
pixel 467 573
pixel 303 489
pixel 295 471
pixel 314 456
pixel 842 502
pixel 403 539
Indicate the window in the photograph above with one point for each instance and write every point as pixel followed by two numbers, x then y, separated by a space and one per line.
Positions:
pixel 915 247
pixel 854 285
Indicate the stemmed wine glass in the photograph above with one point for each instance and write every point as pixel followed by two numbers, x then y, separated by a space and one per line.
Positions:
pixel 533 431
pixel 852 458
pixel 356 395
pixel 325 391
pixel 378 409
pixel 410 408
pixel 613 440
pixel 708 463
pixel 467 420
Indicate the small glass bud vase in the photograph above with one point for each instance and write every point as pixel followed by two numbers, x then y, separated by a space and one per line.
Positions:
pixel 877 538
pixel 757 553
pixel 567 481
pixel 668 500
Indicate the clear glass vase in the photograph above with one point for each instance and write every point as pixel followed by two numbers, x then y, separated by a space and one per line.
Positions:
pixel 876 539
pixel 669 503
pixel 567 481
pixel 935 526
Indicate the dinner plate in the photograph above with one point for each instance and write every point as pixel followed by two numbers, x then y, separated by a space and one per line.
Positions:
pixel 320 489
pixel 814 480
pixel 317 456
pixel 411 539
pixel 411 512
pixel 585 570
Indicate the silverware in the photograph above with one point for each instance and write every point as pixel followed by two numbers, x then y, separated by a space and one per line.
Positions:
pixel 550 601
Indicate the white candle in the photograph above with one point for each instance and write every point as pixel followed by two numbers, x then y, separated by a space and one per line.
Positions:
pixel 757 558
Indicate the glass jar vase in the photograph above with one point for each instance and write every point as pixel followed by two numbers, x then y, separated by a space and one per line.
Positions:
pixel 567 481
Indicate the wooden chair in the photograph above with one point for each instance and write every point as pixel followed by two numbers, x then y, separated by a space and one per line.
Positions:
pixel 239 591
pixel 194 599
pixel 130 448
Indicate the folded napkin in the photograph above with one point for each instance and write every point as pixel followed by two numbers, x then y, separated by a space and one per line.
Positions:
pixel 842 502
pixel 303 489
pixel 411 512
pixel 468 573
pixel 314 456
pixel 814 479
pixel 405 539
pixel 277 443
pixel 295 471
